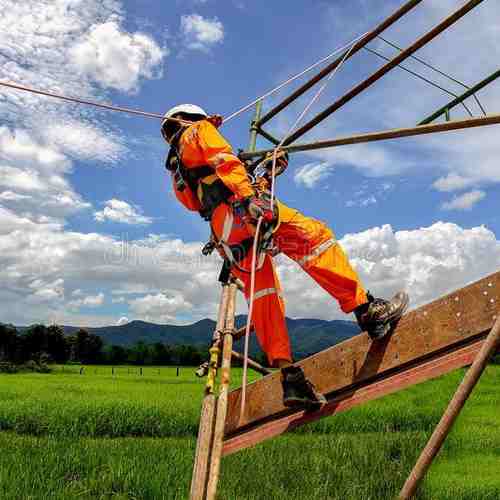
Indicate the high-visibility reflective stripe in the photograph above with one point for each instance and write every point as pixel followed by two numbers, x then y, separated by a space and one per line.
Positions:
pixel 264 293
pixel 318 251
pixel 221 158
pixel 228 226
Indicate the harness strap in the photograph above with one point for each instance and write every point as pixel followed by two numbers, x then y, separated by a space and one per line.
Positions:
pixel 241 249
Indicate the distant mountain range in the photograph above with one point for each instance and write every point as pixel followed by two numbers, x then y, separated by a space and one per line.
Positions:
pixel 307 335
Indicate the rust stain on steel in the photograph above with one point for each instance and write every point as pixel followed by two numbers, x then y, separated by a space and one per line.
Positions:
pixel 440 325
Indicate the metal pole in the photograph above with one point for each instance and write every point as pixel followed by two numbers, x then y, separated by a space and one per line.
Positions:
pixel 207 420
pixel 384 135
pixel 424 40
pixel 257 367
pixel 254 128
pixel 221 411
pixel 326 71
pixel 461 98
pixel 452 412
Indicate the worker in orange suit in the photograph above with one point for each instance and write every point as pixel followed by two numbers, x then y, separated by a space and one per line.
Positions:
pixel 210 179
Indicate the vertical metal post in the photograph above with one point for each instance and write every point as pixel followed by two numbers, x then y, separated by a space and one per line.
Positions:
pixel 452 412
pixel 447 114
pixel 253 127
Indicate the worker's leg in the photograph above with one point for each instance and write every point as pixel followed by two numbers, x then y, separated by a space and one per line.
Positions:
pixel 268 315
pixel 313 246
pixel 268 307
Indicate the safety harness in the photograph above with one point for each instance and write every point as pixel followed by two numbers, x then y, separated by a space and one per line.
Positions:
pixel 203 181
pixel 211 192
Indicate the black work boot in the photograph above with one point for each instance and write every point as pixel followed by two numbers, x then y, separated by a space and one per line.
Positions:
pixel 378 317
pixel 298 391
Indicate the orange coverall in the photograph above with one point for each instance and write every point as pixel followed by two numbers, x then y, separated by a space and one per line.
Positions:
pixel 307 241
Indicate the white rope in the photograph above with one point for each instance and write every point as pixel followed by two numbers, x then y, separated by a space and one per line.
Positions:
pixel 256 238
pixel 249 319
pixel 293 78
pixel 301 117
pixel 110 107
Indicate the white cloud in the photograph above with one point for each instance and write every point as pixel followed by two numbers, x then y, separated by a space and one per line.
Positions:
pixel 11 196
pixel 87 301
pixel 122 212
pixel 35 255
pixel 465 201
pixel 122 321
pixel 84 141
pixel 116 59
pixel 311 174
pixel 50 50
pixel 427 262
pixel 160 307
pixel 362 202
pixel 200 33
pixel 41 264
pixel 33 176
pixel 452 182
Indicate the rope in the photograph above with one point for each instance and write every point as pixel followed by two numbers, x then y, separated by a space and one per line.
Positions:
pixel 147 114
pixel 80 101
pixel 95 104
pixel 300 118
pixel 293 78
pixel 249 319
pixel 255 242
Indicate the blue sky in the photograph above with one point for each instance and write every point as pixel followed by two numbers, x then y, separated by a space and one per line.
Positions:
pixel 77 185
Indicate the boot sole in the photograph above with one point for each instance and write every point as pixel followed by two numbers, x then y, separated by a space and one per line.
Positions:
pixel 295 402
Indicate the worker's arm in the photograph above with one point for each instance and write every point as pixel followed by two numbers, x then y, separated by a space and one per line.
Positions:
pixel 186 196
pixel 219 155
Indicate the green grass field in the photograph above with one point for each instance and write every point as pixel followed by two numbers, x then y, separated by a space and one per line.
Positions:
pixel 98 436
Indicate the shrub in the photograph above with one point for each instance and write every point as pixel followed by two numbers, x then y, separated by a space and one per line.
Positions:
pixel 6 367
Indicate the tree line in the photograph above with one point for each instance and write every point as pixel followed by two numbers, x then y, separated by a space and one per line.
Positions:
pixel 48 344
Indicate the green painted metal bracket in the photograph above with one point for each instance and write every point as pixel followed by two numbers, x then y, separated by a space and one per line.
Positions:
pixel 445 110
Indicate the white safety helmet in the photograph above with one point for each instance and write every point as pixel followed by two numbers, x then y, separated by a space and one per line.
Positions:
pixel 188 109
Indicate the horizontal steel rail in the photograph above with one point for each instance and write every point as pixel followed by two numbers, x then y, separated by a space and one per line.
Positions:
pixel 384 135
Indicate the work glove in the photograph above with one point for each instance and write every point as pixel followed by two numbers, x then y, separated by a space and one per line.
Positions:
pixel 257 207
pixel 265 168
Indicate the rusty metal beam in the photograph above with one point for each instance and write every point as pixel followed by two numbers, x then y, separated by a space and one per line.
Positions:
pixel 407 7
pixel 421 42
pixel 384 135
pixel 429 341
